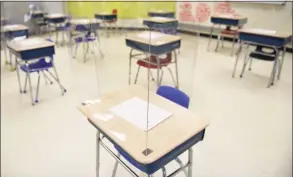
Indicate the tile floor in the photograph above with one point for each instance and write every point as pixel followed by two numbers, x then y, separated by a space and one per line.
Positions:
pixel 250 132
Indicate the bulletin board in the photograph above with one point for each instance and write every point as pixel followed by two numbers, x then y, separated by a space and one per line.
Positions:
pixel 126 10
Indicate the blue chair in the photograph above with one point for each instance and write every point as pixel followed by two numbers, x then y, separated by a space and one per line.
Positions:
pixel 64 28
pixel 89 36
pixel 264 53
pixel 173 95
pixel 40 66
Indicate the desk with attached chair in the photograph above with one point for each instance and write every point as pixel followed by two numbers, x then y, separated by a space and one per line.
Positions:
pixel 264 39
pixel 229 21
pixel 107 19
pixel 57 21
pixel 9 32
pixel 152 45
pixel 162 24
pixel 130 141
pixel 89 34
pixel 32 55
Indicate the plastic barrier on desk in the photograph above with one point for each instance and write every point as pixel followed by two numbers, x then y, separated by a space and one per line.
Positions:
pixel 145 90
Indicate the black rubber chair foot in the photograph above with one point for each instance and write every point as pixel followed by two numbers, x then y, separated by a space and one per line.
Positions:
pixel 24 91
pixel 241 76
pixel 249 69
pixel 36 101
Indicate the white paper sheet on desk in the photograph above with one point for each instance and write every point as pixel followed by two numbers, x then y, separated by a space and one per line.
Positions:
pixel 10 26
pixel 159 18
pixel 19 38
pixel 134 111
pixel 55 15
pixel 264 31
pixel 30 42
pixel 146 35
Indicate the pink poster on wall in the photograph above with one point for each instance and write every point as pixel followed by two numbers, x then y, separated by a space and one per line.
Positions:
pixel 202 12
pixel 223 8
pixel 185 13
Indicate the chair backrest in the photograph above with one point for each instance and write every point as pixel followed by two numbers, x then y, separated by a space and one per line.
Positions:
pixel 114 11
pixel 262 49
pixel 174 95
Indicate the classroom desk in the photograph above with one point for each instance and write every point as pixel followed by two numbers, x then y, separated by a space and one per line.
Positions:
pixel 85 26
pixel 8 32
pixel 56 20
pixel 159 44
pixel 30 49
pixel 37 17
pixel 228 20
pixel 106 17
pixel 277 40
pixel 37 14
pixel 3 21
pixel 166 25
pixel 166 141
pixel 161 13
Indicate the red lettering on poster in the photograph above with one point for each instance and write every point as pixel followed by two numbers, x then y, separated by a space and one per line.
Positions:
pixel 223 8
pixel 202 12
pixel 185 13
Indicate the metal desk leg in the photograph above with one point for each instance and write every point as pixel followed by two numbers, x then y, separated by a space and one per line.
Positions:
pixel 129 72
pixel 5 52
pixel 233 45
pixel 211 33
pixel 11 62
pixel 176 68
pixel 190 161
pixel 17 73
pixel 158 70
pixel 57 33
pixel 115 167
pixel 281 63
pixel 30 84
pixel 98 154
pixel 274 71
pixel 237 58
pixel 218 41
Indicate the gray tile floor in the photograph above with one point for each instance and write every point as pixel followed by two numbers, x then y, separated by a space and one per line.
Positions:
pixel 250 132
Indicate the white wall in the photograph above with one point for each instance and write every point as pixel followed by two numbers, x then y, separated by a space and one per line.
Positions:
pixel 54 6
pixel 260 15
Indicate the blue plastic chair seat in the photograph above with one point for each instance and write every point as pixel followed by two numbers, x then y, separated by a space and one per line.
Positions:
pixel 37 66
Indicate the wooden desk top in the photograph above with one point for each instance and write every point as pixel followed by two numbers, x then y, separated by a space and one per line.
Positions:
pixel 161 20
pixel 163 39
pixel 258 32
pixel 161 11
pixel 163 138
pixel 104 13
pixel 53 16
pixel 29 44
pixel 15 27
pixel 228 16
pixel 84 21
